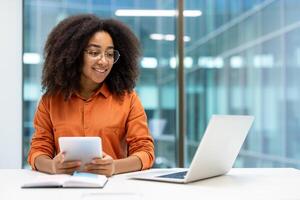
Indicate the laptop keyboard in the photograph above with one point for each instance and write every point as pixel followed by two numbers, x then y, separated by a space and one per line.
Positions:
pixel 177 175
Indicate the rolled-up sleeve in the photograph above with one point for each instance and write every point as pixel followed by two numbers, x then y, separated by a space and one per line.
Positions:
pixel 42 142
pixel 140 142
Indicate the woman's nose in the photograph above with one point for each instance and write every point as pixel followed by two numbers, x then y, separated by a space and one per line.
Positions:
pixel 102 59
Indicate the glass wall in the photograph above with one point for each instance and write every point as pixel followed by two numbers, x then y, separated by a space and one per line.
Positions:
pixel 241 57
pixel 157 37
pixel 245 57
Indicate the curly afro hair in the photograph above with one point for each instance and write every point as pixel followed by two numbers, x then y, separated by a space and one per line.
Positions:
pixel 64 55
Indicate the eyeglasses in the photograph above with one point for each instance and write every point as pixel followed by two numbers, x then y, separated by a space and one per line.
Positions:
pixel 111 55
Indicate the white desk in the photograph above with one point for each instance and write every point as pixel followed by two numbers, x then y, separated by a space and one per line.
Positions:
pixel 259 183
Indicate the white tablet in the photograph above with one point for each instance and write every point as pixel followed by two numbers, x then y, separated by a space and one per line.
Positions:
pixel 81 148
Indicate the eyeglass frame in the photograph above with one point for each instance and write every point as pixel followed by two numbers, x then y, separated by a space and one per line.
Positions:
pixel 102 54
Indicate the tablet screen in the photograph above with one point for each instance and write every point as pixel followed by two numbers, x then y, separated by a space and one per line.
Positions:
pixel 81 148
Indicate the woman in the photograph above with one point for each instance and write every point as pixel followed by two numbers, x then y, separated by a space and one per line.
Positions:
pixel 90 71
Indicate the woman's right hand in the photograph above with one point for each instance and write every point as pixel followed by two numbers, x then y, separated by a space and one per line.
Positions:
pixel 60 166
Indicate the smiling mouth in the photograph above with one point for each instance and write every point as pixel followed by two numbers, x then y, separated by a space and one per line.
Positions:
pixel 100 70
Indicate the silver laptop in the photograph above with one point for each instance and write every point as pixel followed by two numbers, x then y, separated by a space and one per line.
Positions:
pixel 215 156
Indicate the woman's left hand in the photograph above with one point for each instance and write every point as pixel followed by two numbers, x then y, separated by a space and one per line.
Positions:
pixel 104 165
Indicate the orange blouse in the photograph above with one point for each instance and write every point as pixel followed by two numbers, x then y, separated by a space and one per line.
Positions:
pixel 121 124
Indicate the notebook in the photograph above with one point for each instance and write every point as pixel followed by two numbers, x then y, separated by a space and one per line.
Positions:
pixel 215 155
pixel 77 180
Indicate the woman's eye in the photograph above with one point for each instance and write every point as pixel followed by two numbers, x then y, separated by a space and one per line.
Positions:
pixel 110 55
pixel 94 53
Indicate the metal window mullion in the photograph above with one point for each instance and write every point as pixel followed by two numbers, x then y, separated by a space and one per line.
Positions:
pixel 181 85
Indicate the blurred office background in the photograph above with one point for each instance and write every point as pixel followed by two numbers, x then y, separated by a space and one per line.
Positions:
pixel 241 57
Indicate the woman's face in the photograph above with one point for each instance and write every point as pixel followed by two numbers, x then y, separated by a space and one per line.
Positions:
pixel 97 62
